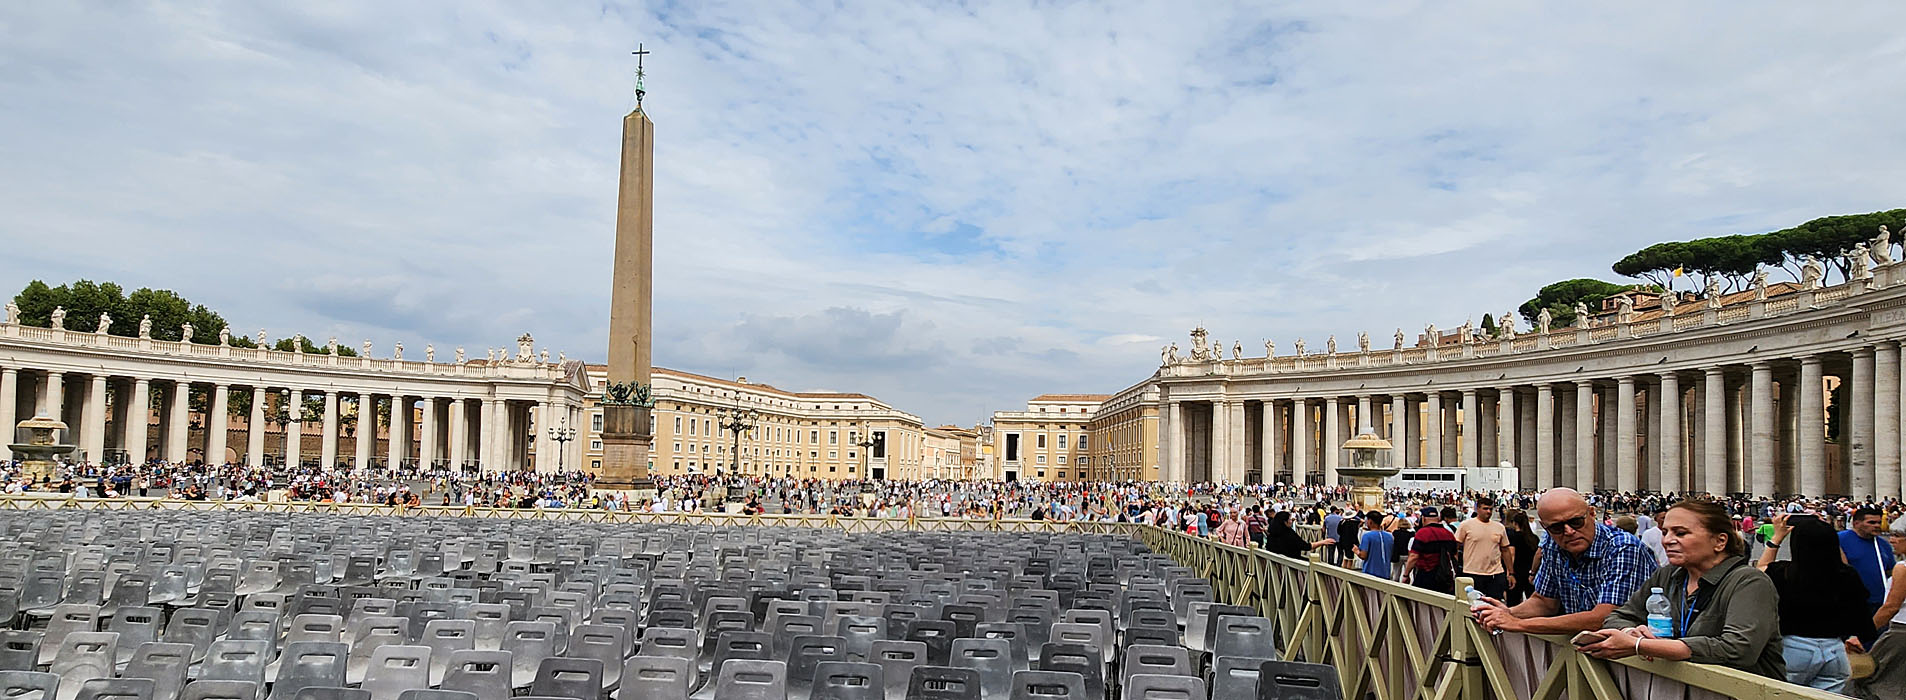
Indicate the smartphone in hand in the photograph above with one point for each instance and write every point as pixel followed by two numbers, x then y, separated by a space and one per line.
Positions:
pixel 1587 637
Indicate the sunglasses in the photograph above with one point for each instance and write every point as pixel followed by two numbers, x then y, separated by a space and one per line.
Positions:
pixel 1576 523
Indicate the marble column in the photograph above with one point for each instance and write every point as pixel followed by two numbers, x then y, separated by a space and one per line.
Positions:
pixel 1526 439
pixel 1760 478
pixel 219 424
pixel 1332 447
pixel 1627 472
pixel 1672 475
pixel 486 441
pixel 1813 445
pixel 1234 433
pixel 328 451
pixel 428 432
pixel 254 429
pixel 1606 473
pixel 1714 431
pixel 1585 435
pixel 366 442
pixel 54 404
pixel 1433 431
pixel 1508 424
pixel 1471 431
pixel 94 416
pixel 1302 439
pixel 1399 416
pixel 397 446
pixel 9 410
pixel 1413 452
pixel 294 430
pixel 1886 421
pixel 1215 437
pixel 178 422
pixel 1545 433
pixel 460 433
pixel 1364 419
pixel 1859 421
pixel 1452 439
pixel 1273 444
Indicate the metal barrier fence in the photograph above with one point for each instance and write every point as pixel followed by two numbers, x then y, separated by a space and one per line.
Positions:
pixel 1395 641
pixel 1387 639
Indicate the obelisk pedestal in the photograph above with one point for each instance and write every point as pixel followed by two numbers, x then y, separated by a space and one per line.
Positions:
pixel 626 429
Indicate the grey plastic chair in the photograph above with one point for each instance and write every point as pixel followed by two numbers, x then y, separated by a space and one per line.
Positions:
pixel 66 619
pixel 20 650
pixel 859 632
pixel 1014 635
pixel 1292 680
pixel 309 664
pixel 116 689
pixel 1235 677
pixel 445 637
pixel 136 626
pixel 1049 685
pixel 848 680
pixel 325 692
pixel 993 659
pixel 605 644
pixel 484 673
pixel 656 678
pixel 1210 627
pixel 1076 658
pixel 937 635
pixel 943 683
pixel 219 690
pixel 194 626
pixel 428 694
pixel 261 625
pixel 528 644
pixel 806 655
pixel 751 679
pixel 395 668
pixel 81 657
pixel 164 664
pixel 1155 660
pixel 29 685
pixel 367 635
pixel 736 645
pixel 241 660
pixel 787 627
pixel 1237 635
pixel 1146 686
pixel 562 677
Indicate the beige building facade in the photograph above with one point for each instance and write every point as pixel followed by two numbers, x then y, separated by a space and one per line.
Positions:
pixel 1048 441
pixel 822 435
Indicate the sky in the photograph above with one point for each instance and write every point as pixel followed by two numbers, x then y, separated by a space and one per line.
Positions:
pixel 953 207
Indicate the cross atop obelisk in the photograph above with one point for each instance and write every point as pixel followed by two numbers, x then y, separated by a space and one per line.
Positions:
pixel 626 432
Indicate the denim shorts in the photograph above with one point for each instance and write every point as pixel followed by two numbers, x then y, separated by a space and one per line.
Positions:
pixel 1816 663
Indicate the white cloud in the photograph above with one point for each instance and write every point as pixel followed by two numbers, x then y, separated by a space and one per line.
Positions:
pixel 1023 199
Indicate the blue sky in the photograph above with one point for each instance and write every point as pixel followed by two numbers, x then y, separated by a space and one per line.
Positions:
pixel 951 207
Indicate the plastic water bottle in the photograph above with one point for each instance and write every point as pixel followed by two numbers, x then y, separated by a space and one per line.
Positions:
pixel 1658 619
pixel 1476 603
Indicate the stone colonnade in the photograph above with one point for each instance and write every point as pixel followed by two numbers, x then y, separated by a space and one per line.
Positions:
pixel 158 402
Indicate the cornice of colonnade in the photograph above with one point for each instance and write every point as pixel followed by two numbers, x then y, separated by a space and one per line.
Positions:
pixel 1860 320
pixel 76 353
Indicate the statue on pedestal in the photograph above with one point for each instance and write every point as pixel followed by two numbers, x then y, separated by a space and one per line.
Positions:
pixel 145 327
pixel 1468 332
pixel 1237 349
pixel 1668 300
pixel 525 346
pixel 1811 271
pixel 430 353
pixel 459 354
pixel 397 351
pixel 13 313
pixel 1172 356
pixel 297 343
pixel 1858 266
pixel 1270 349
pixel 59 317
pixel 261 334
pixel 331 346
pixel 1760 283
pixel 489 355
pixel 1399 339
pixel 1330 344
pixel 105 323
pixel 1625 309
pixel 545 356
pixel 1164 355
pixel 225 336
pixel 1299 345
pixel 1883 247
pixel 1582 319
pixel 1507 324
pixel 185 333
pixel 1363 342
pixel 561 357
pixel 366 354
pixel 1543 318
pixel 1434 336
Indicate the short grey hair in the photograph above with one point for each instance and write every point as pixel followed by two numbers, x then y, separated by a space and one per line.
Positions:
pixel 1899 527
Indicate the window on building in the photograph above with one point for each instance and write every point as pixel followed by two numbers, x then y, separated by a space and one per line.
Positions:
pixel 1012 447
pixel 692 426
pixel 595 422
pixel 1062 441
pixel 813 437
pixel 879 449
pixel 833 437
pixel 595 464
pixel 1042 459
pixel 1082 437
pixel 595 445
pixel 678 448
pixel 678 425
pixel 1041 444
pixel 833 455
pixel 1062 459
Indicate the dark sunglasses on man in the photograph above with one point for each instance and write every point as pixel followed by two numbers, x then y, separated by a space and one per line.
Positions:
pixel 1576 523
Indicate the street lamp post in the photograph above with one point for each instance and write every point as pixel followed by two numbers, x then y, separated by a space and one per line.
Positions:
pixel 737 421
pixel 866 443
pixel 562 434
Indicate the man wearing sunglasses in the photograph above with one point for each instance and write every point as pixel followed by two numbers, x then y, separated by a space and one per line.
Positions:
pixel 1588 569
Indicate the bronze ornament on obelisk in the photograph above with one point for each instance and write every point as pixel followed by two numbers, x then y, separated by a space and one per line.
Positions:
pixel 626 402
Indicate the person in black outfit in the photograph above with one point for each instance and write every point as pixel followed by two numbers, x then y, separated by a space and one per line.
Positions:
pixel 1822 602
pixel 1522 570
pixel 1281 538
pixel 1347 535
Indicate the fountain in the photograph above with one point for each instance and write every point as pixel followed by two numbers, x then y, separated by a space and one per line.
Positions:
pixel 37 453
pixel 1369 466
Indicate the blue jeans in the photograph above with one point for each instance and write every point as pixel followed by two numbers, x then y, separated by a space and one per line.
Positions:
pixel 1816 663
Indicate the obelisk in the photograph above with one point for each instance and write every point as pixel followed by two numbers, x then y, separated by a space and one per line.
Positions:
pixel 627 433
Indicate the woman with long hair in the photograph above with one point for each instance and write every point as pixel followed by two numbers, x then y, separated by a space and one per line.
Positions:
pixel 1822 602
pixel 1721 610
pixel 1528 549
pixel 1281 538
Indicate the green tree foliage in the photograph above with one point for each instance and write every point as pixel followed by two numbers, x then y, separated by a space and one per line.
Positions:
pixel 85 300
pixel 1826 236
pixel 1488 324
pixel 1734 258
pixel 1560 298
pixel 286 345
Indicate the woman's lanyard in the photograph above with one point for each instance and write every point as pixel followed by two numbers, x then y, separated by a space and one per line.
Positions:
pixel 1689 608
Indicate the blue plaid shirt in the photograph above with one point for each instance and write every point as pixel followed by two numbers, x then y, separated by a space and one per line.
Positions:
pixel 1614 567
